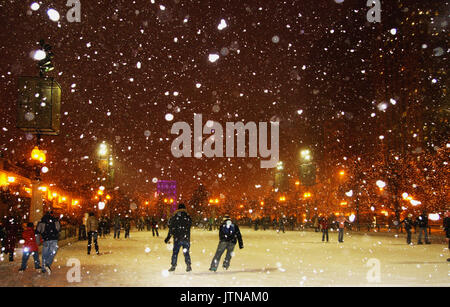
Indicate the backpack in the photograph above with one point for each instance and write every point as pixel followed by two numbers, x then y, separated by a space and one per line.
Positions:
pixel 49 229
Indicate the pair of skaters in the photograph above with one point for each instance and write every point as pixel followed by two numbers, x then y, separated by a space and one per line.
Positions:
pixel 180 229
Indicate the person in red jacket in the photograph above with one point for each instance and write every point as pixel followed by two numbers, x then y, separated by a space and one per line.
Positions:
pixel 30 247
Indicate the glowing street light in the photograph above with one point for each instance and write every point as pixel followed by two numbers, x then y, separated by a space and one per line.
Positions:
pixel 101 205
pixel 306 154
pixel 103 149
pixel 38 155
pixel 280 165
pixel 381 184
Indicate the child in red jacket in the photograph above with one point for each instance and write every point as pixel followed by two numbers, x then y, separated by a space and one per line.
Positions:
pixel 30 247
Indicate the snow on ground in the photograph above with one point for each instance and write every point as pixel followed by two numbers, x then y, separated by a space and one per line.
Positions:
pixel 268 259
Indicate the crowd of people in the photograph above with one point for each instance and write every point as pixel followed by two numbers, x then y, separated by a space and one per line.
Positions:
pixel 47 230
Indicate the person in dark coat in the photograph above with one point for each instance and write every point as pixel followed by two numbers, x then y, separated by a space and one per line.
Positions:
pixel 117 225
pixel 49 228
pixel 180 229
pixel 30 247
pixel 155 227
pixel 92 227
pixel 229 235
pixel 422 222
pixel 409 224
pixel 281 223
pixel 324 225
pixel 12 229
pixel 446 224
pixel 127 226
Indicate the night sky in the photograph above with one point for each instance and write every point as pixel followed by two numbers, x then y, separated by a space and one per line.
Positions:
pixel 309 64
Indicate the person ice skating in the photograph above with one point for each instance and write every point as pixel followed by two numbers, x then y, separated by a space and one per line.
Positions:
pixel 155 227
pixel 281 223
pixel 324 226
pixel 148 223
pixel 422 223
pixel 341 222
pixel 30 247
pixel 49 228
pixel 409 224
pixel 82 230
pixel 229 235
pixel 210 224
pixel 117 226
pixel 180 229
pixel 446 225
pixel 102 227
pixel 127 226
pixel 12 229
pixel 92 231
pixel 316 223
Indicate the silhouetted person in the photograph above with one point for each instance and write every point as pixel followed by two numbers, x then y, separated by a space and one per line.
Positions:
pixel 180 229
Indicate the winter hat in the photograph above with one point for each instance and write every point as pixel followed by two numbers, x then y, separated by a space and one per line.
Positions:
pixel 181 206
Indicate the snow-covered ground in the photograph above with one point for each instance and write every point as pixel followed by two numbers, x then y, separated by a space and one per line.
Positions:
pixel 268 259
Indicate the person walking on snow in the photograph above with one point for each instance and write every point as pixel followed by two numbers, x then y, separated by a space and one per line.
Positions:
pixel 341 222
pixel 229 235
pixel 92 230
pixel 49 228
pixel 180 229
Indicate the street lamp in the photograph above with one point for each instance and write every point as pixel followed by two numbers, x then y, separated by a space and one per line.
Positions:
pixel 381 184
pixel 307 195
pixel 103 149
pixel 307 168
pixel 280 166
pixel 305 155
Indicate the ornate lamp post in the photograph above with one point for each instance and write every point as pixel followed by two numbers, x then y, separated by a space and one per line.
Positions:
pixel 38 112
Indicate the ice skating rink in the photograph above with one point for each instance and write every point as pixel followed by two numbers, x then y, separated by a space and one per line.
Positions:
pixel 268 259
